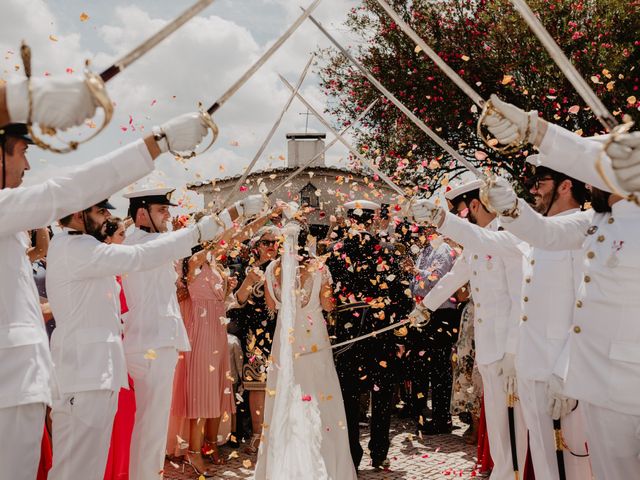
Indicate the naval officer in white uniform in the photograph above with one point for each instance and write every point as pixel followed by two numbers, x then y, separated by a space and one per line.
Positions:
pixel 551 279
pixel 154 331
pixel 86 345
pixel 25 360
pixel 602 365
pixel 492 262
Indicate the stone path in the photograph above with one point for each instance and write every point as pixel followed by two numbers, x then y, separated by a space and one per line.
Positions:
pixel 441 457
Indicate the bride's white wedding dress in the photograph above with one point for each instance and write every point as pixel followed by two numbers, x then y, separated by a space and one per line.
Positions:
pixel 305 432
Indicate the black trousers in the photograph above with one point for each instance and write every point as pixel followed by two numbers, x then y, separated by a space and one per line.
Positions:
pixel 380 422
pixel 437 374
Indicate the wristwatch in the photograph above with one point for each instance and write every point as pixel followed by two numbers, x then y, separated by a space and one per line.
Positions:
pixel 161 138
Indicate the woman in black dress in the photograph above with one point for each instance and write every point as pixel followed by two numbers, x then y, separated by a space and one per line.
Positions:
pixel 256 325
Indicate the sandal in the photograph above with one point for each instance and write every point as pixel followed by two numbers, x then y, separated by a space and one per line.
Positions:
pixel 210 452
pixel 254 444
pixel 199 469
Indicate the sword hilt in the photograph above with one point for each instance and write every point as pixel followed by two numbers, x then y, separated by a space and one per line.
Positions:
pixel 493 142
pixel 96 87
pixel 623 128
pixel 211 125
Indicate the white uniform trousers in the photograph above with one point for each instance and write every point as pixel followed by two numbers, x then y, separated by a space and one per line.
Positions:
pixel 82 423
pixel 534 403
pixel 153 383
pixel 614 442
pixel 22 427
pixel 495 409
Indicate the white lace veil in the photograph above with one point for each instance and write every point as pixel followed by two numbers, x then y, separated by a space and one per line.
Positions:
pixel 295 432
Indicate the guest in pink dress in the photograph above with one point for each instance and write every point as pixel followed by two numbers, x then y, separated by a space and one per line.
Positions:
pixel 203 386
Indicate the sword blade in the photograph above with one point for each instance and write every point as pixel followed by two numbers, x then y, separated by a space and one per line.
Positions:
pixel 154 40
pixel 324 150
pixel 448 71
pixel 261 61
pixel 419 123
pixel 558 56
pixel 361 337
pixel 232 193
pixel 357 154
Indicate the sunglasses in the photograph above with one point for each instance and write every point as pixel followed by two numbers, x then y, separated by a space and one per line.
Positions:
pixel 535 182
pixel 268 243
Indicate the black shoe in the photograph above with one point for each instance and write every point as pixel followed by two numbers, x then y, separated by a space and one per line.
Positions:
pixel 381 464
pixel 431 428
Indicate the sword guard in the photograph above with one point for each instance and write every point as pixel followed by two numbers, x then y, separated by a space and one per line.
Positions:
pixel 211 125
pixel 492 142
pixel 98 90
pixel 622 128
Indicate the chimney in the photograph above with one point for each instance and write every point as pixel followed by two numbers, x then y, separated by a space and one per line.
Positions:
pixel 302 147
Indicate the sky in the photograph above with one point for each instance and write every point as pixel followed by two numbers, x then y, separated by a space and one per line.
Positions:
pixel 196 64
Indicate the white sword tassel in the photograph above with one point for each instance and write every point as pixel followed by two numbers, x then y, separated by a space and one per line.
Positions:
pixel 327 125
pixel 419 123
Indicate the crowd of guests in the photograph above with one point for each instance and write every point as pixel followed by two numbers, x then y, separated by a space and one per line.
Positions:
pixel 220 385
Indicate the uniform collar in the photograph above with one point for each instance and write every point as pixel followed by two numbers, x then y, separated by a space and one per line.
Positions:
pixel 567 212
pixel 494 225
pixel 72 231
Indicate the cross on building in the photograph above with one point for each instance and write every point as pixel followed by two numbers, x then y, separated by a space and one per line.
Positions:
pixel 306 123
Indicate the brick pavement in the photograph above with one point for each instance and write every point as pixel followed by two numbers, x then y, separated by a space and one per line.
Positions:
pixel 441 457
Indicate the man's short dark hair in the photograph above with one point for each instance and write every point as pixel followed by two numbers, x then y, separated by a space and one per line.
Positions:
pixel 65 221
pixel 466 198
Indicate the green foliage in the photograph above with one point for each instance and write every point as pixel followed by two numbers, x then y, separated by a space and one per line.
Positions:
pixel 491 47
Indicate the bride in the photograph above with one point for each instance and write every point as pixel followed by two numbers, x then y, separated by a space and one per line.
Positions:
pixel 305 431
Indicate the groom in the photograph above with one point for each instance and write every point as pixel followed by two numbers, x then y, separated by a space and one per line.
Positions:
pixel 369 296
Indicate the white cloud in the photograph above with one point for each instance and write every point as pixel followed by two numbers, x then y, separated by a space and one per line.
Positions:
pixel 197 63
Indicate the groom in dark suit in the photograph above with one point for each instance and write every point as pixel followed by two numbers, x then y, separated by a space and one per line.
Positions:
pixel 369 287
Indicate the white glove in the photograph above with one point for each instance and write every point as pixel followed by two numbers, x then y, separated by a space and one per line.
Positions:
pixel 58 102
pixel 252 205
pixel 424 211
pixel 501 196
pixel 511 124
pixel 182 133
pixel 559 405
pixel 507 370
pixel 208 228
pixel 419 316
pixel 624 152
pixel 290 209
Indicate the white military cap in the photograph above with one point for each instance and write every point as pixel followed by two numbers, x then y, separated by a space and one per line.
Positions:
pixel 362 205
pixel 460 190
pixel 151 196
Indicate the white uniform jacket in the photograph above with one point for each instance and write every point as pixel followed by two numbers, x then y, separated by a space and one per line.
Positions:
pixel 551 278
pixel 154 319
pixel 492 261
pixel 87 343
pixel 25 360
pixel 575 156
pixel 604 339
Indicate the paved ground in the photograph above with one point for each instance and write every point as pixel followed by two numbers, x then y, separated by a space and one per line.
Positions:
pixel 441 457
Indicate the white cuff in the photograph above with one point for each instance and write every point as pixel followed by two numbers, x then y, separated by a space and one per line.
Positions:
pixel 225 217
pixel 239 208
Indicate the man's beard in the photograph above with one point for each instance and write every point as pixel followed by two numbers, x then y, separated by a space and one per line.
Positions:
pixel 600 200
pixel 542 203
pixel 472 218
pixel 94 228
